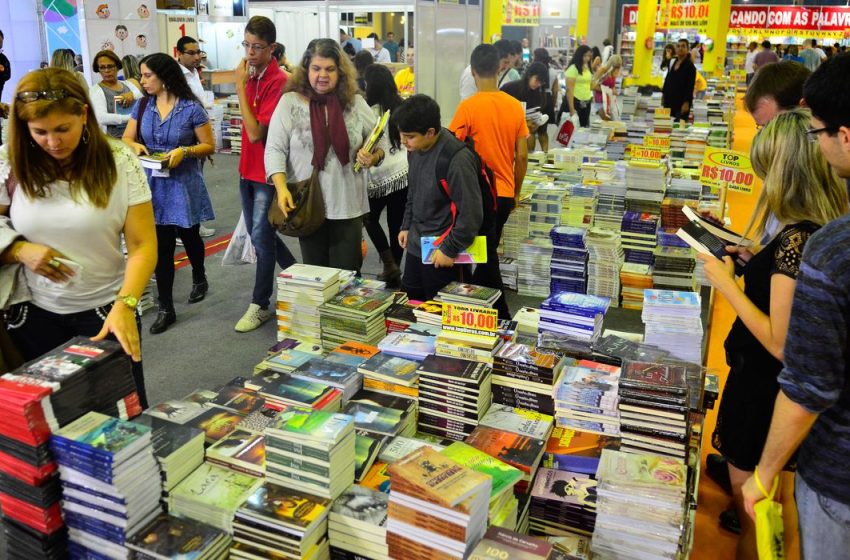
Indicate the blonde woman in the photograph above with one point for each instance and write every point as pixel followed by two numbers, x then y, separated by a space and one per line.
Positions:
pixel 804 193
pixel 65 59
pixel 605 88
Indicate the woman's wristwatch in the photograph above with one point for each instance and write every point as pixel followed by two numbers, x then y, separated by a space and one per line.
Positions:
pixel 128 300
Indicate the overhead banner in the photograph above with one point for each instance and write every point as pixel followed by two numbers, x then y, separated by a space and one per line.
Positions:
pixel 687 14
pixel 524 13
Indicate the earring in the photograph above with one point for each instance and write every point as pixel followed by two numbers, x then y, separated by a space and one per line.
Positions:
pixel 86 136
pixel 32 143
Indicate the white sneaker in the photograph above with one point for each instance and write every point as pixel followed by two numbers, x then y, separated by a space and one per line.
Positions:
pixel 206 232
pixel 253 318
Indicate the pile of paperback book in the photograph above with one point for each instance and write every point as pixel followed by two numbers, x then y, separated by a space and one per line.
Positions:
pixel 523 377
pixel 605 257
pixel 574 316
pixel 673 323
pixel 569 260
pixel 454 395
pixel 586 398
pixel 358 524
pixel 301 289
pixel 562 502
pixel 169 537
pixel 354 314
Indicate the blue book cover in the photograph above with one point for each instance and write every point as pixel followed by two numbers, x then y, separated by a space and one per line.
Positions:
pixel 672 298
pixel 580 304
pixel 97 528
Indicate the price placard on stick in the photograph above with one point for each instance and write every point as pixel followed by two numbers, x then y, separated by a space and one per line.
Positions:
pixel 727 166
pixel 470 319
pixel 659 142
pixel 642 153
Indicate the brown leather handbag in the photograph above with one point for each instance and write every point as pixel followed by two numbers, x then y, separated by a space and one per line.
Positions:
pixel 309 213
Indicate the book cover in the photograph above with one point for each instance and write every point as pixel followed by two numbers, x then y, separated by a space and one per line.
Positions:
pixel 658 377
pixel 327 427
pixel 517 450
pixel 366 448
pixel 216 486
pixel 518 420
pixel 399 370
pixel 455 368
pixel 362 504
pixel 103 433
pixel 574 450
pixel 288 359
pixel 377 478
pixel 476 253
pixel 663 473
pixel 376 419
pixel 353 348
pixel 176 411
pixel 215 423
pixel 437 478
pixel 282 386
pixel 175 537
pixel 509 545
pixel 360 300
pixel 565 487
pixel 503 476
pixel 400 446
pixel 167 437
pixel 325 371
pixel 470 291
pixel 285 506
pixel 308 273
pixel 239 399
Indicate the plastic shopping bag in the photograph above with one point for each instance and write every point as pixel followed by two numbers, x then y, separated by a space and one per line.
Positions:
pixel 770 530
pixel 240 250
pixel 566 132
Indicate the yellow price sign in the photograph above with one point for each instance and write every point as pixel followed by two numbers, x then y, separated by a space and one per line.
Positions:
pixel 471 319
pixel 662 112
pixel 655 141
pixel 642 153
pixel 727 166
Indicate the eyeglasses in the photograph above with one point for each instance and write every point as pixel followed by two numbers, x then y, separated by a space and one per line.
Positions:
pixel 812 133
pixel 254 46
pixel 192 53
pixel 107 67
pixel 52 95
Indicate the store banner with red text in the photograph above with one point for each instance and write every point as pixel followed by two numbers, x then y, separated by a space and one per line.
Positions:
pixel 521 12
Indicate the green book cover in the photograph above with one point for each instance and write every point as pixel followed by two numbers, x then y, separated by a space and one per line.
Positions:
pixel 366 447
pixel 361 300
pixel 504 476
pixel 376 419
pixel 217 487
pixel 328 427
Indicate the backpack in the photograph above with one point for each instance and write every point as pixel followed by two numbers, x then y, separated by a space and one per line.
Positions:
pixel 486 185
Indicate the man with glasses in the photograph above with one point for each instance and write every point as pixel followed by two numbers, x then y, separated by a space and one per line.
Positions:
pixel 189 57
pixel 812 410
pixel 259 85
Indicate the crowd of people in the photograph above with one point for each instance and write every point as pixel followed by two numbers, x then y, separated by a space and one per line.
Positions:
pixel 73 188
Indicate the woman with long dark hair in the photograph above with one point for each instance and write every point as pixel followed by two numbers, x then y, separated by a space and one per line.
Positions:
pixel 322 110
pixel 552 93
pixel 531 90
pixel 387 175
pixel 667 57
pixel 77 192
pixel 579 77
pixel 172 121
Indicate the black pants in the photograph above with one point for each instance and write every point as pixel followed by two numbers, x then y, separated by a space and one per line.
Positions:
pixel 423 281
pixel 166 239
pixel 36 331
pixel 583 112
pixel 490 274
pixel 336 244
pixel 394 203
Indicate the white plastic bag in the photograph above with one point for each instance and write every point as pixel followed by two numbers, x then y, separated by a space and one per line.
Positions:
pixel 240 250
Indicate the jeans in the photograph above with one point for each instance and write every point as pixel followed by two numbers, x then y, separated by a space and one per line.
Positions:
pixel 36 331
pixel 824 524
pixel 489 274
pixel 166 239
pixel 395 204
pixel 423 281
pixel 336 244
pixel 257 198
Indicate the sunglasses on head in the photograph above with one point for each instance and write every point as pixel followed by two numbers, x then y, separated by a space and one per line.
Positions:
pixel 52 95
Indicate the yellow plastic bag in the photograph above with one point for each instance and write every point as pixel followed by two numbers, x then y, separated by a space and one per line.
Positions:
pixel 770 530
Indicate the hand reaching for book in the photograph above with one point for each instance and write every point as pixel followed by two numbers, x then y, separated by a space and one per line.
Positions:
pixel 720 274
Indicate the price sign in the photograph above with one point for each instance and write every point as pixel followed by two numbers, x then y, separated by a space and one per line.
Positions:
pixel 662 112
pixel 471 319
pixel 642 153
pixel 727 166
pixel 660 142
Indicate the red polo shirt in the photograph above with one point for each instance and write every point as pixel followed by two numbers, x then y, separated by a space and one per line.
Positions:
pixel 263 93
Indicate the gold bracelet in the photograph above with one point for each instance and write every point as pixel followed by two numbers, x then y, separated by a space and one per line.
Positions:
pixel 16 252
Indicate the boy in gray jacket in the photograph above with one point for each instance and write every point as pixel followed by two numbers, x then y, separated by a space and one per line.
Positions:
pixel 430 211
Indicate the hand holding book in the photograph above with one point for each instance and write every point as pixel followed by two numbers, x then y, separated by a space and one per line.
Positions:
pixel 719 273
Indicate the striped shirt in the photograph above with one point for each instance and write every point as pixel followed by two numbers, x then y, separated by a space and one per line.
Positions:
pixel 817 367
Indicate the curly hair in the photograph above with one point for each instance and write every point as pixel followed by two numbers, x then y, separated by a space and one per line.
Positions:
pixel 92 170
pixel 346 87
pixel 168 71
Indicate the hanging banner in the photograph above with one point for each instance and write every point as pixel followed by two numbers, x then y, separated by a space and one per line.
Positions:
pixel 525 13
pixel 124 27
pixel 687 14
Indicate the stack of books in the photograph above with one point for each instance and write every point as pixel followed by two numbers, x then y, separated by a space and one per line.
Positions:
pixel 336 374
pixel 408 345
pixel 178 449
pixel 391 374
pixel 639 237
pixel 277 521
pixel 605 257
pixel 578 206
pixel 674 265
pixel 301 289
pixel 508 268
pixel 534 265
pixel 357 525
pixel 469 294
pixel 570 547
pixel 634 279
pixel 502 543
pixel 399 316
pixel 562 503
pixel 569 260
pixel 354 314
pixel 516 228
pixel 29 485
pixel 586 398
pixel 437 508
pixel 672 321
pixel 311 451
pixel 454 395
pixel 572 315
pixel 576 451
pixel 611 204
pixel 654 408
pixel 241 450
pixel 83 376
pixel 384 413
pixel 429 313
pixel 523 377
pixel 174 537
pixel 641 506
pixel 110 482
pixel 521 452
pixel 399 446
pixel 519 421
pixel 281 390
pixel 503 505
pixel 212 494
pixel 215 421
pixel 645 184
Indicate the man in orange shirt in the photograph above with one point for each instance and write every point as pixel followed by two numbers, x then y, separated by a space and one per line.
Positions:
pixel 496 123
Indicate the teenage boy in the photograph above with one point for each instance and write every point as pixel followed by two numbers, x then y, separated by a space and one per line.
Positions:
pixel 496 123
pixel 259 85
pixel 429 210
pixel 812 410
pixel 506 62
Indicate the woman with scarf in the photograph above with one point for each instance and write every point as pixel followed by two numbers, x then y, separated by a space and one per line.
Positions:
pixel 321 122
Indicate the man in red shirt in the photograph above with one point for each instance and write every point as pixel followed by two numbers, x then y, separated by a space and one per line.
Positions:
pixel 259 85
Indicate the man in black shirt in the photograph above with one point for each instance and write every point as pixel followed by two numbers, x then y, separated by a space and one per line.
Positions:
pixel 678 92
pixel 5 67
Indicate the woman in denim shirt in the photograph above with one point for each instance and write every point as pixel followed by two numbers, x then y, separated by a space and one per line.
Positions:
pixel 173 122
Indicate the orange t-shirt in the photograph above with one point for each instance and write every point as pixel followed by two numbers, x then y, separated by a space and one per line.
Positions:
pixel 495 120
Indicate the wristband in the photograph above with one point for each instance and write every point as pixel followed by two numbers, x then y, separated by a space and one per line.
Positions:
pixel 767 495
pixel 16 252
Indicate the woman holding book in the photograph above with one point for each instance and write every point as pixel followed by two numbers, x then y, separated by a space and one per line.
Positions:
pixel 386 168
pixel 67 194
pixel 321 123
pixel 803 192
pixel 579 76
pixel 171 121
pixel 531 89
pixel 112 99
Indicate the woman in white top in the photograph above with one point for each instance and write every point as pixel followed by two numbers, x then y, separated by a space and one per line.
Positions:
pixel 112 100
pixel 70 193
pixel 321 122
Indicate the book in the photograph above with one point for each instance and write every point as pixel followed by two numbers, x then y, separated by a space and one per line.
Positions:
pixel 376 419
pixel 317 427
pixel 173 537
pixel 390 368
pixel 366 449
pixel 519 421
pixel 503 476
pixel 375 135
pixel 516 450
pixel 212 494
pixel 284 507
pixel 573 450
pixel 109 439
pixel 155 161
pixel 509 545
pixel 476 253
